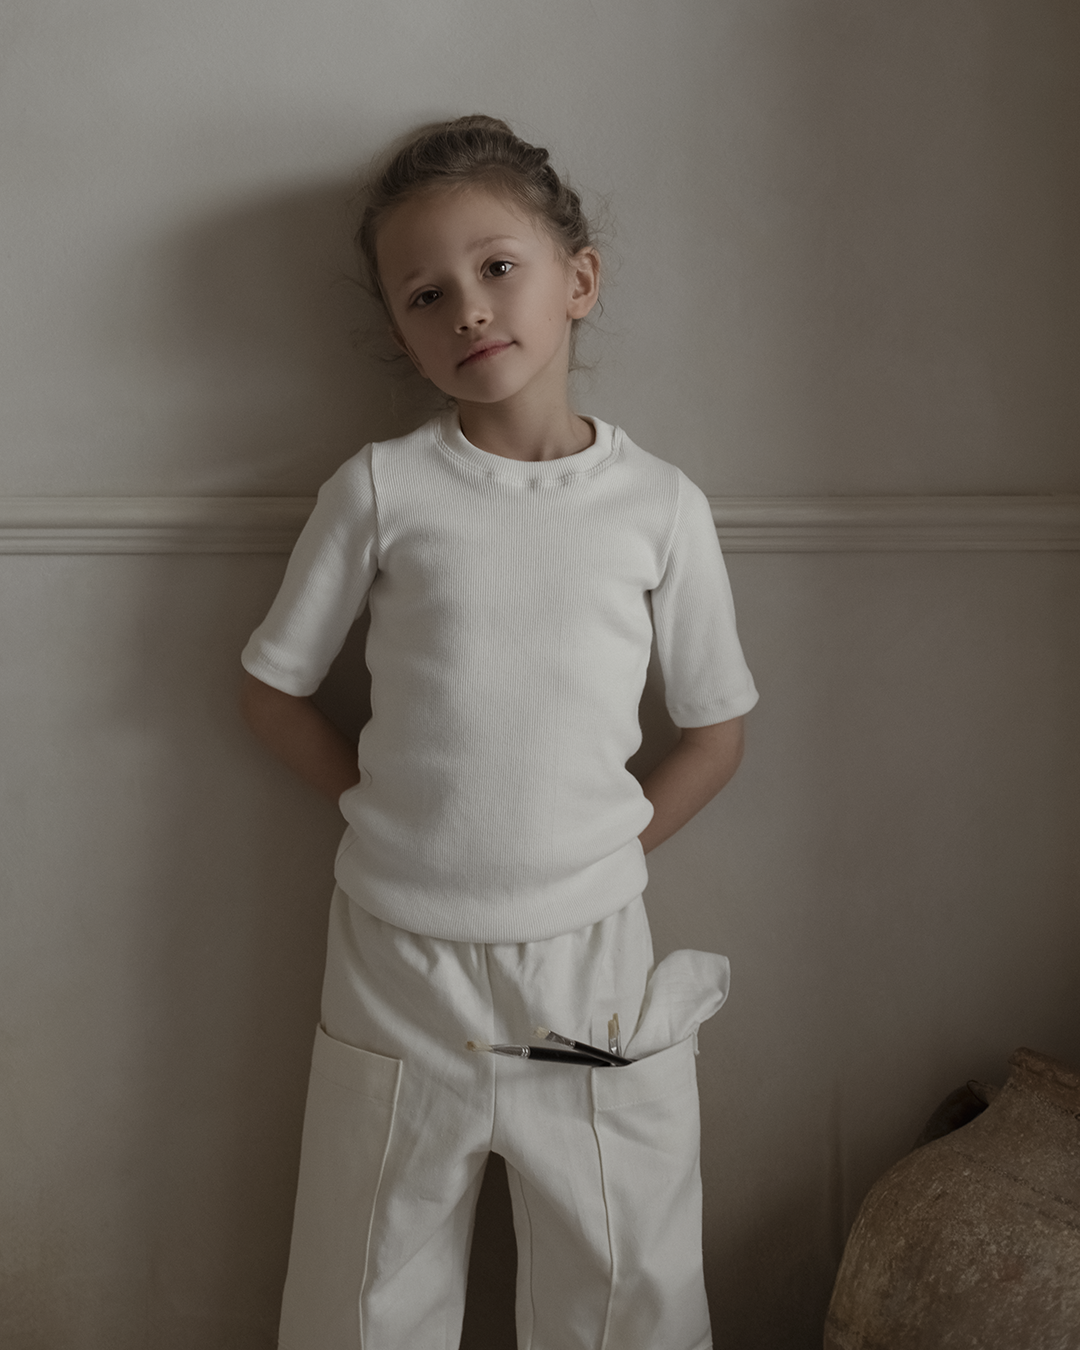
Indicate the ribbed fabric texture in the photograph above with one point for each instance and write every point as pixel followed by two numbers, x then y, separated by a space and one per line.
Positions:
pixel 512 614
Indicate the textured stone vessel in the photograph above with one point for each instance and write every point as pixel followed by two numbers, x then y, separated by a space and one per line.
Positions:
pixel 972 1242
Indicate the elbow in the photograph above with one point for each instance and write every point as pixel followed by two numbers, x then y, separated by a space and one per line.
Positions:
pixel 247 697
pixel 722 744
pixel 739 747
pixel 255 698
pixel 730 755
pixel 266 709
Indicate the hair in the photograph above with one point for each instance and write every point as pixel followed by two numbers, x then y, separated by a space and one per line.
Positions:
pixel 471 151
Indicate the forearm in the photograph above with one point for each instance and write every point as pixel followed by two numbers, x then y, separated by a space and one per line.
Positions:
pixel 690 776
pixel 300 736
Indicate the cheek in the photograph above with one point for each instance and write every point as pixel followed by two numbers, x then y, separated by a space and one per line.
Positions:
pixel 412 347
pixel 415 336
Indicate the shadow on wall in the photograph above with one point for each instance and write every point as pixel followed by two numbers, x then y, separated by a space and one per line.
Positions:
pixel 255 313
pixel 277 354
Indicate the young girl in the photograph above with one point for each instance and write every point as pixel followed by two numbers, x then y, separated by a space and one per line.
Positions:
pixel 517 560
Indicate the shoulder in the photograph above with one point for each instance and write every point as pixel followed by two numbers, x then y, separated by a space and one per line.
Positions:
pixel 651 471
pixel 665 483
pixel 354 482
pixel 353 475
pixel 420 443
pixel 681 513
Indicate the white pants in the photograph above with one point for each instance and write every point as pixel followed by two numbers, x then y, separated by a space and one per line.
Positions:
pixel 603 1163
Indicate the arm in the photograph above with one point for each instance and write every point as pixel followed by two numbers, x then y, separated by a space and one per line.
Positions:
pixel 690 776
pixel 300 736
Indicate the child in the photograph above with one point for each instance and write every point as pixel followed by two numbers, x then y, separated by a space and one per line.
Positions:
pixel 516 559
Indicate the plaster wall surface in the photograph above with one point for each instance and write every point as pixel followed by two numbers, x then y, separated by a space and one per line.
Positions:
pixel 841 261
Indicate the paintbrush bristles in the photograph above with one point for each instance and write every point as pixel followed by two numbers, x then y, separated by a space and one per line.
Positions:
pixel 545 1033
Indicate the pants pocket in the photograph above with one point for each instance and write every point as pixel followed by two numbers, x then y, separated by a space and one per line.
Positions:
pixel 352 1096
pixel 648 1129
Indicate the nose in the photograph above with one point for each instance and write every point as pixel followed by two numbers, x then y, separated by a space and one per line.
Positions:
pixel 473 311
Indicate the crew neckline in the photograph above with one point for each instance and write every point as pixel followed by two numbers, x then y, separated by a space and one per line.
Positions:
pixel 453 441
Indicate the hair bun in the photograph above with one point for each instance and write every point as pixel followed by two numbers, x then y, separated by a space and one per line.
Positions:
pixel 480 122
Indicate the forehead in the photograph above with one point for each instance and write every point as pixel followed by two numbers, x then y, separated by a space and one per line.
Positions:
pixel 436 226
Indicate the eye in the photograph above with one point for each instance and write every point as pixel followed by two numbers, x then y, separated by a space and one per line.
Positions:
pixel 425 298
pixel 500 268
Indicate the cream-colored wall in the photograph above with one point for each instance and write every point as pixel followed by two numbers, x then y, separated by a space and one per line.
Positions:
pixel 843 262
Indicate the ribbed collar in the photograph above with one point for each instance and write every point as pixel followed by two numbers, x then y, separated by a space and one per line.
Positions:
pixel 449 435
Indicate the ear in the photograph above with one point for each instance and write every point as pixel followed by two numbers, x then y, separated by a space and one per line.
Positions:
pixel 399 341
pixel 584 283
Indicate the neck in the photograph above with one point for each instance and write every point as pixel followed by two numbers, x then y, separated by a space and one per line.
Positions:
pixel 526 428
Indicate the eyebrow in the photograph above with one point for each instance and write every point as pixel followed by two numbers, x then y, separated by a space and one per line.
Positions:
pixel 473 246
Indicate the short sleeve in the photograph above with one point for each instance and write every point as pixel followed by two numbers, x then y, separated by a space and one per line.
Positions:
pixel 325 586
pixel 706 678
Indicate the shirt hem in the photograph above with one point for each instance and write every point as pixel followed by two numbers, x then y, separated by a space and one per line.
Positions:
pixel 542 920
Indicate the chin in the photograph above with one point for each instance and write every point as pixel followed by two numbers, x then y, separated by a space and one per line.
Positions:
pixel 487 391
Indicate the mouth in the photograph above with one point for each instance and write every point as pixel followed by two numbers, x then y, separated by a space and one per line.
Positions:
pixel 483 351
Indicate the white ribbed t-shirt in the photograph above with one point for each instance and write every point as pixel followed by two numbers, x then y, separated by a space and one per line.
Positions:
pixel 513 606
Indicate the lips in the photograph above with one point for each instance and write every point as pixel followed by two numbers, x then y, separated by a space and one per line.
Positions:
pixel 483 350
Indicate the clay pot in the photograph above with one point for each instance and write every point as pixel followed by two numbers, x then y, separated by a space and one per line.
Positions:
pixel 972 1242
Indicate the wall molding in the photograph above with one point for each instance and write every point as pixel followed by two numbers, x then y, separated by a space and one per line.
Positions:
pixel 744 524
pixel 151 524
pixel 884 524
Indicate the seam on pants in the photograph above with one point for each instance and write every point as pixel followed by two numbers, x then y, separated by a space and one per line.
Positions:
pixel 607 1222
pixel 371 1220
pixel 514 1180
pixel 490 1030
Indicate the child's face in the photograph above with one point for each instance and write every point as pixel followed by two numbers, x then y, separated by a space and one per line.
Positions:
pixel 481 299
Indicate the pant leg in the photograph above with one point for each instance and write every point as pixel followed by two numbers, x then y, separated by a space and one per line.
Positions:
pixel 396 1137
pixel 603 1164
